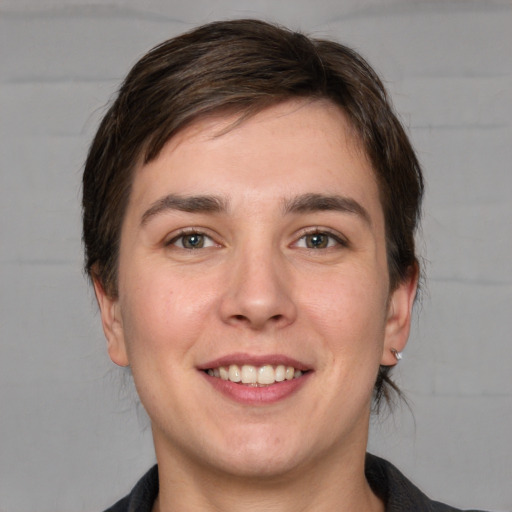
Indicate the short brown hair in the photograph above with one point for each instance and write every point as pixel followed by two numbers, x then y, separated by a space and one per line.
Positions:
pixel 241 67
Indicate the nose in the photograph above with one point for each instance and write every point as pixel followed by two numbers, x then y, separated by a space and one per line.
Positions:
pixel 258 291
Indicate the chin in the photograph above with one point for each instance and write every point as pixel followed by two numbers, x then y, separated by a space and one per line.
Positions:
pixel 264 457
pixel 260 466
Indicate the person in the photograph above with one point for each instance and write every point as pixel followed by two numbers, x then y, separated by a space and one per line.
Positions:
pixel 249 207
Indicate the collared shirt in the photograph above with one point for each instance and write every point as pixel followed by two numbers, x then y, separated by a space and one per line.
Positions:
pixel 398 493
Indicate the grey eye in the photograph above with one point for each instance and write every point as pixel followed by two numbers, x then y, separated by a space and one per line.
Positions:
pixel 192 241
pixel 317 241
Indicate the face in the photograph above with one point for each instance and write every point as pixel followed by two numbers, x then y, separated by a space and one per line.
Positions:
pixel 254 306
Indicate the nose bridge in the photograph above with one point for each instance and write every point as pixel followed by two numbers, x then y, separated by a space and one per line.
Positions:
pixel 258 292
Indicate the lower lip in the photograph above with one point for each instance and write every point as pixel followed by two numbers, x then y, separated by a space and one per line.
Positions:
pixel 252 395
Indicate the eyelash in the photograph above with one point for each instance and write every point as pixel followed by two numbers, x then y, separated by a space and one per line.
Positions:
pixel 340 241
pixel 189 232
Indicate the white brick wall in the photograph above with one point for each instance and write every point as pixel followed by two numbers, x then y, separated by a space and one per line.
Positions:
pixel 71 438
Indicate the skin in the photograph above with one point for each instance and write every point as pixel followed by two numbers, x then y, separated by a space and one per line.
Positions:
pixel 258 287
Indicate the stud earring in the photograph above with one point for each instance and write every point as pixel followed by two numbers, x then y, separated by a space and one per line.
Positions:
pixel 398 355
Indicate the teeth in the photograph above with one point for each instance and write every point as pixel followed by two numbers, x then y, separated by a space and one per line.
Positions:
pixel 280 373
pixel 254 375
pixel 234 373
pixel 266 375
pixel 249 374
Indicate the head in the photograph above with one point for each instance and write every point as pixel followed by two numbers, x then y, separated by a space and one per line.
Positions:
pixel 237 69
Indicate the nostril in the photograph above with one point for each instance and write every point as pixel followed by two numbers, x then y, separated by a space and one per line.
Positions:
pixel 242 318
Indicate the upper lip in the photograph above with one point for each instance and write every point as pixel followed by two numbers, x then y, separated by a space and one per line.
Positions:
pixel 255 360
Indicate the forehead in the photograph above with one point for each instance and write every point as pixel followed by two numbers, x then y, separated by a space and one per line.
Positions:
pixel 325 116
pixel 290 148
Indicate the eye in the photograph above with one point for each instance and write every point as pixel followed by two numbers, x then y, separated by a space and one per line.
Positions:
pixel 192 240
pixel 319 240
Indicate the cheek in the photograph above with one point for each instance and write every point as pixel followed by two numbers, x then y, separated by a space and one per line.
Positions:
pixel 350 309
pixel 163 313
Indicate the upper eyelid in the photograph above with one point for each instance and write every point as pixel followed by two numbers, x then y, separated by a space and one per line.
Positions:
pixel 321 230
pixel 301 233
pixel 176 235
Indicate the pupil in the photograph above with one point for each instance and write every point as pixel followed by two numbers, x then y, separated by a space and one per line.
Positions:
pixel 193 241
pixel 317 241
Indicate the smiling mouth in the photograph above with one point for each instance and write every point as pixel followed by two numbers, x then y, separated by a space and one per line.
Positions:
pixel 255 376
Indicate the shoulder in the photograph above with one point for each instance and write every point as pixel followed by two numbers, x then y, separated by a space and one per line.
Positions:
pixel 143 495
pixel 399 494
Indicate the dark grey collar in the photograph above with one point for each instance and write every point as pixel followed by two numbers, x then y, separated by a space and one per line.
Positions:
pixel 399 494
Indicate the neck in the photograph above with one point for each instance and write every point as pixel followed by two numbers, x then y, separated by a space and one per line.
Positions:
pixel 333 483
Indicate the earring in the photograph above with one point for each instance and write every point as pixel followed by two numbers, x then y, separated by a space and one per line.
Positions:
pixel 398 355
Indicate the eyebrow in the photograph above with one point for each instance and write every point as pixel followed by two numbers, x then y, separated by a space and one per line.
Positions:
pixel 190 204
pixel 320 202
pixel 304 203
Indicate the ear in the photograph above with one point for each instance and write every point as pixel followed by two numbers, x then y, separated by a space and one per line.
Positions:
pixel 398 323
pixel 112 325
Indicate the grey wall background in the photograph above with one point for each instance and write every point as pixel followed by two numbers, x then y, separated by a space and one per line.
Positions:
pixel 71 436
